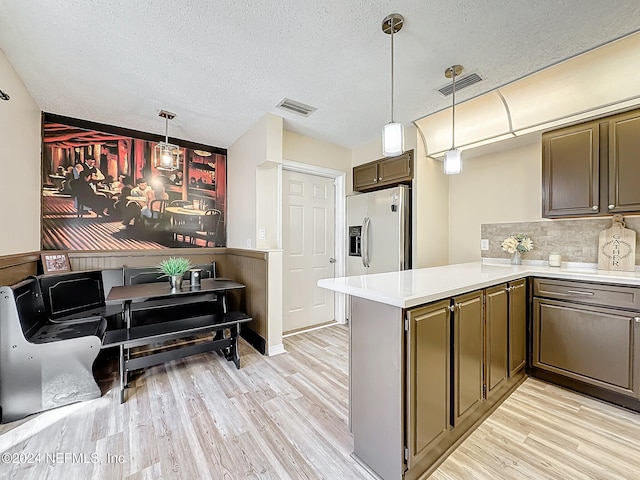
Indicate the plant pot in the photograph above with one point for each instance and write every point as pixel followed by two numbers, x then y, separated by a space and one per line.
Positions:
pixel 176 281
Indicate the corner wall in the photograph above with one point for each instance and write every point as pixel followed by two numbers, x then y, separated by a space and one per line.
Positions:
pixel 20 124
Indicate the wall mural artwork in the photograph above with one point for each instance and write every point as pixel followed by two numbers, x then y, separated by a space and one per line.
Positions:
pixel 104 189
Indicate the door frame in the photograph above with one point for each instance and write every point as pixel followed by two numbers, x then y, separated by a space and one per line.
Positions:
pixel 339 218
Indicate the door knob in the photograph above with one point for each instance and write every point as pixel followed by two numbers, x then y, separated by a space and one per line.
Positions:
pixel 594 208
pixel 611 207
pixel 332 260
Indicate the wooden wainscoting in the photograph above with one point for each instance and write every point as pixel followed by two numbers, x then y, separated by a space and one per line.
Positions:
pixel 99 260
pixel 250 268
pixel 14 268
pixel 246 266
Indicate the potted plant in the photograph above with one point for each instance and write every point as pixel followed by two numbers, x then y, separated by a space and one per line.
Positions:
pixel 174 268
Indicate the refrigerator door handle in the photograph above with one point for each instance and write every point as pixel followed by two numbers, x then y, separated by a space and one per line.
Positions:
pixel 365 241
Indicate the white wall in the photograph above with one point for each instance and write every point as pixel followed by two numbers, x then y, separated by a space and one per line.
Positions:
pixel 505 186
pixel 20 131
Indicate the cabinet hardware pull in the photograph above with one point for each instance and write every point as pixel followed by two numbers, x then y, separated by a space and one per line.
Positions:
pixel 451 308
pixel 611 207
pixel 379 179
pixel 637 319
pixel 580 293
pixel 594 208
pixel 375 180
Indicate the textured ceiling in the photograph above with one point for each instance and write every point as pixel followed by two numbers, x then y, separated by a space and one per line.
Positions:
pixel 221 65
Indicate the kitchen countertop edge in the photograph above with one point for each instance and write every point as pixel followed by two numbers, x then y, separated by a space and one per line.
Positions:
pixel 410 288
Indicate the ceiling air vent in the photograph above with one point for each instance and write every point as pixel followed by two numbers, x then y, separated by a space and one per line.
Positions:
pixel 296 107
pixel 463 82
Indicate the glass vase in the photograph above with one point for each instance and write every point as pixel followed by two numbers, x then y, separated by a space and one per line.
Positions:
pixel 516 259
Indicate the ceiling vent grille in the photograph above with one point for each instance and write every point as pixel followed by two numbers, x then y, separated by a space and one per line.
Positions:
pixel 464 82
pixel 298 108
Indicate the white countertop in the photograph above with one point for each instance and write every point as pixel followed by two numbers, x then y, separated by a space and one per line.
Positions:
pixel 409 288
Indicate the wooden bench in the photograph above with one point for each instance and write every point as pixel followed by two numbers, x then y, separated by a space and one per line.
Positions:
pixel 181 324
pixel 43 363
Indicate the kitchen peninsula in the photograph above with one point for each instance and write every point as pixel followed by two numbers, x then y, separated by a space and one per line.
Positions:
pixel 433 351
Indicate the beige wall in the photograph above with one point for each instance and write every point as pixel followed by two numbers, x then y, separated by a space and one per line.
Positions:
pixel 430 211
pixel 499 187
pixel 20 131
pixel 259 145
pixel 303 149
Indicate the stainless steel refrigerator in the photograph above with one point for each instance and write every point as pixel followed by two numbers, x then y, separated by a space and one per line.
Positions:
pixel 379 230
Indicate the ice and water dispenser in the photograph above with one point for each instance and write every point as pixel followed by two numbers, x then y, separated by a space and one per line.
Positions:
pixel 355 241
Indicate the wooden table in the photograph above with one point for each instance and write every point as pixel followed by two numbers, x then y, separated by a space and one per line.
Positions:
pixel 130 337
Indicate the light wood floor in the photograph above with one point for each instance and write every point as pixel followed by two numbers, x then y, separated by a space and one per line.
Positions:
pixel 286 417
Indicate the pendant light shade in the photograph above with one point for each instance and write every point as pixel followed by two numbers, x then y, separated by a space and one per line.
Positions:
pixel 167 155
pixel 453 158
pixel 392 132
pixel 452 162
pixel 392 139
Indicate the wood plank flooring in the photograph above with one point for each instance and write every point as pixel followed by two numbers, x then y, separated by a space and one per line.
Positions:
pixel 285 417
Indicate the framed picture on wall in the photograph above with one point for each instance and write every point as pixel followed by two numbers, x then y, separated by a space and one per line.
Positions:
pixel 55 262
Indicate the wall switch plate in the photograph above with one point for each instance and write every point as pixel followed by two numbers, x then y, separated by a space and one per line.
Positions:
pixel 262 234
pixel 484 244
pixel 248 243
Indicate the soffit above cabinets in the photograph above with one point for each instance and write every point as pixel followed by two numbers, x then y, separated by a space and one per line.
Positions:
pixel 596 83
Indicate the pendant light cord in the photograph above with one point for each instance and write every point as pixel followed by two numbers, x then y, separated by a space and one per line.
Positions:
pixel 393 28
pixel 453 110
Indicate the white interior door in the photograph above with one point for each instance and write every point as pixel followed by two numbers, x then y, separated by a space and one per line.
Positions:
pixel 308 249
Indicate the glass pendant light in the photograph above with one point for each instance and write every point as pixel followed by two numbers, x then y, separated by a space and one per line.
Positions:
pixel 392 132
pixel 453 158
pixel 167 155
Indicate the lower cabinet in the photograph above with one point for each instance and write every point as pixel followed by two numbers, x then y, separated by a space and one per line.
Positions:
pixel 594 345
pixel 517 291
pixel 428 377
pixel 496 334
pixel 468 349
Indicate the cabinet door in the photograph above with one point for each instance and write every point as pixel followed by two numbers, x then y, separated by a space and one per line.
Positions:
pixel 496 324
pixel 624 167
pixel 571 171
pixel 592 344
pixel 428 378
pixel 467 355
pixel 365 176
pixel 517 326
pixel 396 169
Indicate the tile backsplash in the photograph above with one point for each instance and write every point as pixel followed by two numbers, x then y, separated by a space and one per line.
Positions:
pixel 575 239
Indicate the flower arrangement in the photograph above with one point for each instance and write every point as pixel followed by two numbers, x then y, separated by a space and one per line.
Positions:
pixel 174 266
pixel 517 242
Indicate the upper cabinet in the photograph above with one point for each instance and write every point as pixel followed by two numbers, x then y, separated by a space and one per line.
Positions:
pixel 592 168
pixel 383 173
pixel 624 163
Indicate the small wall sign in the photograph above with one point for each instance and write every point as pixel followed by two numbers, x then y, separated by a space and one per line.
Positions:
pixel 55 262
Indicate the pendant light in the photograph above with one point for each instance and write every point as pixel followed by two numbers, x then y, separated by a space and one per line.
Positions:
pixel 392 132
pixel 167 155
pixel 452 158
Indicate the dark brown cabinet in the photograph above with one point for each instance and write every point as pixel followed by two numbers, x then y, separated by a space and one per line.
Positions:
pixel 580 332
pixel 517 291
pixel 624 163
pixel 468 355
pixel 383 173
pixel 428 378
pixel 571 171
pixel 592 168
pixel 496 333
pixel 505 333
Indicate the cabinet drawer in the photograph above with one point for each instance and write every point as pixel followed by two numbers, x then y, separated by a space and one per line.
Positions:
pixel 596 294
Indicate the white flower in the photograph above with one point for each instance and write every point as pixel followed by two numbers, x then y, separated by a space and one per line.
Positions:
pixel 517 242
